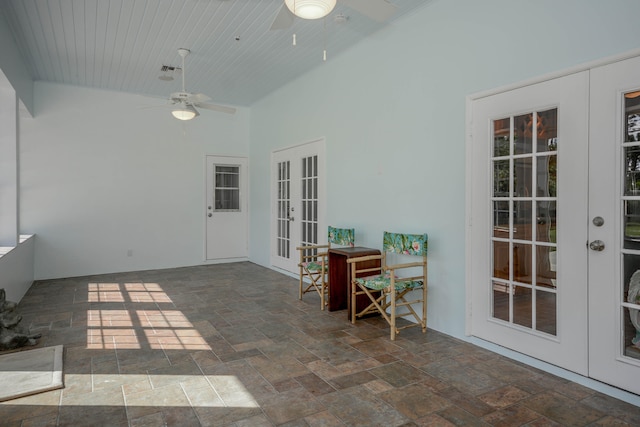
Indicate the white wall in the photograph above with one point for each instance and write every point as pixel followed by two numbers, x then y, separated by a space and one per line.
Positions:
pixel 392 110
pixel 12 65
pixel 101 176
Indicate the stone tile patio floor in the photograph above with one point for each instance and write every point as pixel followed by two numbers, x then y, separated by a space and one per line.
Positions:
pixel 232 345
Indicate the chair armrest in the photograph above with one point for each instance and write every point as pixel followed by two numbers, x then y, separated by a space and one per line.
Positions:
pixel 363 258
pixel 306 247
pixel 406 265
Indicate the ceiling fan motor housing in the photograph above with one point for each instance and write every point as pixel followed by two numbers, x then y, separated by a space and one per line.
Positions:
pixel 180 96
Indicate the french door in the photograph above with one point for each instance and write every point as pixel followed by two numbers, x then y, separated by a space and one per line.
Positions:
pixel 298 202
pixel 614 225
pixel 529 204
pixel 554 237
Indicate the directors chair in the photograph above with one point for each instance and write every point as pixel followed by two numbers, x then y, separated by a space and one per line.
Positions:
pixel 314 263
pixel 396 282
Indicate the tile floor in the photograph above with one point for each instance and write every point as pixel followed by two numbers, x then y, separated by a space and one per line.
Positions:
pixel 231 345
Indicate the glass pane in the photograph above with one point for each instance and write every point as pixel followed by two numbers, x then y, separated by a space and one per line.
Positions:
pixel 632 108
pixel 522 133
pixel 501 178
pixel 546 219
pixel 631 224
pixel 631 321
pixel 522 220
pixel 522 263
pixel 501 301
pixel 501 219
pixel 547 130
pixel 234 180
pixel 315 232
pixel 501 137
pixel 632 165
pixel 546 317
pixel 546 266
pixel 227 199
pixel 522 177
pixel 522 303
pixel 631 314
pixel 501 260
pixel 546 179
pixel 315 188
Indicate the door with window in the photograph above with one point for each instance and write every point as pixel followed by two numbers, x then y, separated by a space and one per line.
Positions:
pixel 614 225
pixel 298 202
pixel 555 221
pixel 529 202
pixel 226 208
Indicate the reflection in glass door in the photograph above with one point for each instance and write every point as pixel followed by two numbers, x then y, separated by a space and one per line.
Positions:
pixel 524 220
pixel 630 304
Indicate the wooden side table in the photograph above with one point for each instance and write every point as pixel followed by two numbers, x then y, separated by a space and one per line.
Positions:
pixel 340 277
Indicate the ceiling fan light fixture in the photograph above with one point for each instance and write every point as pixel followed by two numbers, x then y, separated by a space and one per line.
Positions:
pixel 310 9
pixel 184 112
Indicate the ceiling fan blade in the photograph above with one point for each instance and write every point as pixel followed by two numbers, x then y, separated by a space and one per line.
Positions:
pixel 197 98
pixel 215 107
pixel 284 19
pixel 378 10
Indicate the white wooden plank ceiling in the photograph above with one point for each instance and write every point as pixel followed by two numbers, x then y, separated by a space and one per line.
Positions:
pixel 122 45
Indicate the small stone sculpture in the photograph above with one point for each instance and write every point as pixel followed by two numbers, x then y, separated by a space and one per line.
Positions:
pixel 12 335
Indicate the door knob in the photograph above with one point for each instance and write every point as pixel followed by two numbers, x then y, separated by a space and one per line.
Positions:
pixel 210 215
pixel 597 245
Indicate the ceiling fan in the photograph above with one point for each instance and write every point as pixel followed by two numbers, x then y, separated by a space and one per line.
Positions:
pixel 183 103
pixel 378 10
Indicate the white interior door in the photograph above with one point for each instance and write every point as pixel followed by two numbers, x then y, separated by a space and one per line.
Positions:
pixel 528 199
pixel 614 225
pixel 226 208
pixel 298 202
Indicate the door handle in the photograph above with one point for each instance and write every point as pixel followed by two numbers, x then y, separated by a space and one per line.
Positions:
pixel 597 245
pixel 291 218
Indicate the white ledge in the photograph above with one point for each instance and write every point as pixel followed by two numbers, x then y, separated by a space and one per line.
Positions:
pixel 6 249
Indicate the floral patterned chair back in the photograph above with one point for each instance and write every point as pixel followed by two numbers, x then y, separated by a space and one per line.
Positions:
pixel 406 244
pixel 341 236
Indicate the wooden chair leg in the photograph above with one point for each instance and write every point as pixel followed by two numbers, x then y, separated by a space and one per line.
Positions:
pixel 353 302
pixel 301 282
pixel 393 311
pixel 424 308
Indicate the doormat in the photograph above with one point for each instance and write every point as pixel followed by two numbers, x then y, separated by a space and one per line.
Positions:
pixel 29 372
